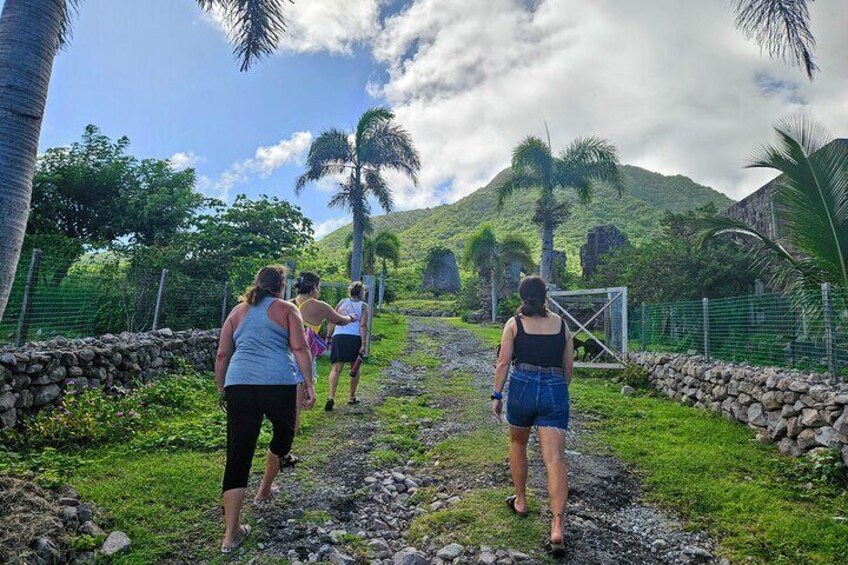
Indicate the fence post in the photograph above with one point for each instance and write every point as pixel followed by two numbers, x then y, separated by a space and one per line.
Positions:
pixel 289 286
pixel 382 288
pixel 644 327
pixel 707 330
pixel 224 304
pixel 369 281
pixel 827 310
pixel 29 294
pixel 159 295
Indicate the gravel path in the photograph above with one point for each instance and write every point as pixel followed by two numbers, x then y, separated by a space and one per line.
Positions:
pixel 343 510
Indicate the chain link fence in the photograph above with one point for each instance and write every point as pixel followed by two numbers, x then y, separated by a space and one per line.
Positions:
pixel 804 330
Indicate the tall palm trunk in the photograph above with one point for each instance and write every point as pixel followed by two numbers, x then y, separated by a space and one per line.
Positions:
pixel 358 227
pixel 29 38
pixel 547 265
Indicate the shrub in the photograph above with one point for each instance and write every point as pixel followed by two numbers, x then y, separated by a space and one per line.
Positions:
pixel 825 465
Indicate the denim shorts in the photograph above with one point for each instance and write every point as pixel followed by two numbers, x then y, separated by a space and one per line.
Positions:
pixel 537 399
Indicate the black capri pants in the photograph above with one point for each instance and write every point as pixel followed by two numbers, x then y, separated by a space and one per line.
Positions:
pixel 246 407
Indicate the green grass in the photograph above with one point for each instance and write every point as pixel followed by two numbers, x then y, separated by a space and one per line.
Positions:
pixel 475 451
pixel 482 518
pixel 428 305
pixel 400 419
pixel 748 496
pixel 489 334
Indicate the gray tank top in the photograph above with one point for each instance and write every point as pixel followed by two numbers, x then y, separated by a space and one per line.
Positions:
pixel 263 355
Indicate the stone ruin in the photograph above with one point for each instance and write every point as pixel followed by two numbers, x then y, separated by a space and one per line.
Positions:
pixel 599 241
pixel 441 275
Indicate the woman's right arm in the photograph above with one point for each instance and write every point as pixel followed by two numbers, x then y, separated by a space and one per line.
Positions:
pixel 333 317
pixel 300 349
pixel 226 348
pixel 504 361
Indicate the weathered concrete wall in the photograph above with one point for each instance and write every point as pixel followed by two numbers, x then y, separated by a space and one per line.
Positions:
pixel 38 374
pixel 800 411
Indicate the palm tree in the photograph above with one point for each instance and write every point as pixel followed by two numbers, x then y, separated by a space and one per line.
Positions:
pixel 386 249
pixel 780 27
pixel 379 143
pixel 583 164
pixel 811 204
pixel 31 33
pixel 489 257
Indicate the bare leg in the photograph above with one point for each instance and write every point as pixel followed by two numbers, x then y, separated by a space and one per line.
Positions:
pixel 518 438
pixel 233 499
pixel 300 394
pixel 354 382
pixel 334 379
pixel 272 467
pixel 552 441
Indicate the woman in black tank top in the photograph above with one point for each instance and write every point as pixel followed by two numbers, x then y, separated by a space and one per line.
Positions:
pixel 537 346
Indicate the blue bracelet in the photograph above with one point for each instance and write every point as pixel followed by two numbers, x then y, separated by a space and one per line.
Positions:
pixel 497 395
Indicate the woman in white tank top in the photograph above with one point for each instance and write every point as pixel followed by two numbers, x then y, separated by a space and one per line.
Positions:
pixel 348 341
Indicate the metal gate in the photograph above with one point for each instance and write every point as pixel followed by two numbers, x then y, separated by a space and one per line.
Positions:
pixel 598 322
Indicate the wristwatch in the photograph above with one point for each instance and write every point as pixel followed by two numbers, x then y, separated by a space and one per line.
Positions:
pixel 497 395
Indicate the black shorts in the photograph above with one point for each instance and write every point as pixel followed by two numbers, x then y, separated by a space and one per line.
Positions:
pixel 345 348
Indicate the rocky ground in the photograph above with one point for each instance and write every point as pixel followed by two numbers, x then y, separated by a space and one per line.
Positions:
pixel 345 508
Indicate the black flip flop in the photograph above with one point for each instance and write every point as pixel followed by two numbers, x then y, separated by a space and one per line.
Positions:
pixel 557 550
pixel 510 502
pixel 288 460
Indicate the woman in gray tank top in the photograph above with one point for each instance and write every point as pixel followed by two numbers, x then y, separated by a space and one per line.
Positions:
pixel 260 341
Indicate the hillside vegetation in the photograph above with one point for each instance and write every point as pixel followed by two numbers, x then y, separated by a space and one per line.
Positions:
pixel 647 196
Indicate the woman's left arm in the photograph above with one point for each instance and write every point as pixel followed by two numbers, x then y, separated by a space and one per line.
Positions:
pixel 568 356
pixel 502 368
pixel 226 348
pixel 363 328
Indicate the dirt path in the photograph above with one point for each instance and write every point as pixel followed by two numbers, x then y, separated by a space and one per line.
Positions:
pixel 345 506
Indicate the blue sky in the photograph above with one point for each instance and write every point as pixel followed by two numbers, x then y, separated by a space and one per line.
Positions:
pixel 673 85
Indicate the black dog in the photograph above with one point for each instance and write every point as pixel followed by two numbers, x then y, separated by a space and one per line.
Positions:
pixel 591 349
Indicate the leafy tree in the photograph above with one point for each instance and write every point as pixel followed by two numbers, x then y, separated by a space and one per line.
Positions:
pixel 781 27
pixel 31 32
pixel 675 267
pixel 488 257
pixel 811 204
pixel 249 230
pixel 378 144
pixel 93 192
pixel 583 164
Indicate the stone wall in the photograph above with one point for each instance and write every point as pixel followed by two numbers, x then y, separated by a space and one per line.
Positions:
pixel 38 374
pixel 799 411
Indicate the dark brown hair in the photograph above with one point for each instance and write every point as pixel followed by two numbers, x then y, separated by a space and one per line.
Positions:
pixel 356 289
pixel 307 282
pixel 534 293
pixel 269 281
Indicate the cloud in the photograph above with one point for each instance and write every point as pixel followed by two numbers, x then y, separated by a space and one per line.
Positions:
pixel 335 26
pixel 184 159
pixel 672 84
pixel 264 162
pixel 329 226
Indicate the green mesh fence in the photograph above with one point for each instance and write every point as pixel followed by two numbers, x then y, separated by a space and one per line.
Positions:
pixel 796 330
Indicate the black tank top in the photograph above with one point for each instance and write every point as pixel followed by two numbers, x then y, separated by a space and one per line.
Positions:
pixel 542 350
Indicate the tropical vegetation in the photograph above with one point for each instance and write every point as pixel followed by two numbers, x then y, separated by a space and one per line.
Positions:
pixel 31 33
pixel 358 161
pixel 491 258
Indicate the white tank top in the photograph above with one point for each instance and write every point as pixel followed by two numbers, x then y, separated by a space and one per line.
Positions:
pixel 347 308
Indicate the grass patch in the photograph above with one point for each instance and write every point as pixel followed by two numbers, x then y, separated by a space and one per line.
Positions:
pixel 713 472
pixel 428 306
pixel 475 451
pixel 401 419
pixel 489 334
pixel 482 518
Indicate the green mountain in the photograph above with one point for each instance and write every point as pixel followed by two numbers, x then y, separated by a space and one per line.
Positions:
pixel 647 196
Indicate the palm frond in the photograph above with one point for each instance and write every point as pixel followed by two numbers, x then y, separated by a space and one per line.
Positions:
pixel 388 146
pixel 515 248
pixel 369 120
pixel 70 9
pixel 387 247
pixel 329 154
pixel 481 249
pixel 587 162
pixel 375 185
pixel 255 26
pixel 781 28
pixel 517 180
pixel 533 158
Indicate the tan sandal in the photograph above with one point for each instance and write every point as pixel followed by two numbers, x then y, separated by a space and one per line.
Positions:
pixel 245 531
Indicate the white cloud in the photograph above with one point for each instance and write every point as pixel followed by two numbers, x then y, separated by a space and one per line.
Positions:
pixel 329 25
pixel 329 226
pixel 672 84
pixel 264 162
pixel 184 159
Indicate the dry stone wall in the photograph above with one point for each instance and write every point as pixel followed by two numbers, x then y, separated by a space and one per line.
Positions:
pixel 800 411
pixel 38 374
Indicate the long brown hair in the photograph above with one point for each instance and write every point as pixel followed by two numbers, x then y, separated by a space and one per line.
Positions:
pixel 269 281
pixel 534 294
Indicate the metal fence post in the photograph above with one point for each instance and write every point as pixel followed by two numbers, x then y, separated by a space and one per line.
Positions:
pixel 289 286
pixel 827 311
pixel 29 295
pixel 224 304
pixel 707 330
pixel 369 282
pixel 159 295
pixel 644 327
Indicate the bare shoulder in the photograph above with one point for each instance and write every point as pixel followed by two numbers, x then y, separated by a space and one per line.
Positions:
pixel 510 326
pixel 280 306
